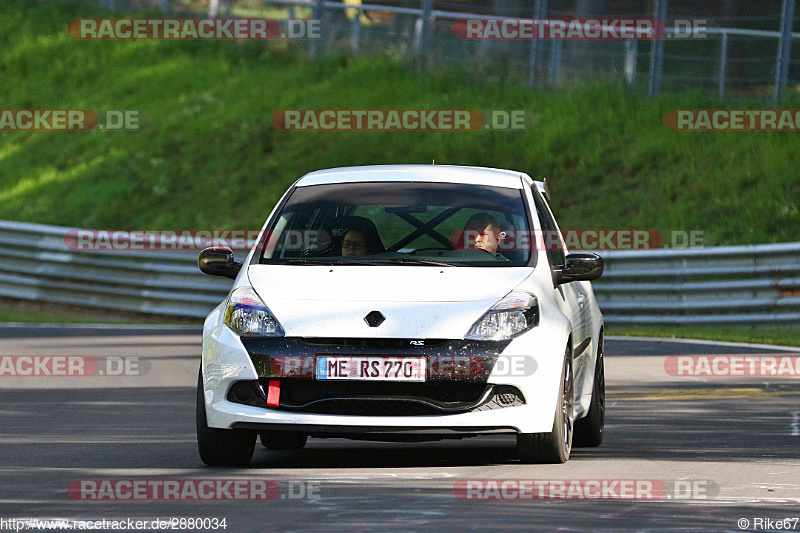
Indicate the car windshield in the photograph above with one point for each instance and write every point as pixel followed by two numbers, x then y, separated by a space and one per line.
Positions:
pixel 409 223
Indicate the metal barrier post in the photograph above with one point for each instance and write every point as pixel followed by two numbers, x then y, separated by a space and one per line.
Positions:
pixel 555 62
pixel 316 14
pixel 426 29
pixel 784 50
pixel 631 60
pixel 355 33
pixel 539 12
pixel 657 51
pixel 723 64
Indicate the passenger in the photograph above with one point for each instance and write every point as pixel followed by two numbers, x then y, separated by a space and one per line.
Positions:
pixel 482 231
pixel 354 243
pixel 359 236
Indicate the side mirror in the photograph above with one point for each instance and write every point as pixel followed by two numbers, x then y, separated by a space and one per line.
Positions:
pixel 218 262
pixel 581 267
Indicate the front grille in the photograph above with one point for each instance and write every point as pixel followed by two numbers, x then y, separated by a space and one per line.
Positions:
pixel 372 343
pixel 372 408
pixel 393 399
pixel 247 393
pixel 297 393
pixel 503 396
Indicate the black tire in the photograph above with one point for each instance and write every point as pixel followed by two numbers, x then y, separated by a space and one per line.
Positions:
pixel 279 440
pixel 589 429
pixel 221 447
pixel 553 447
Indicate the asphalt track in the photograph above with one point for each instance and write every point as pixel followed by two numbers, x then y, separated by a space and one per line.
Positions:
pixel 736 438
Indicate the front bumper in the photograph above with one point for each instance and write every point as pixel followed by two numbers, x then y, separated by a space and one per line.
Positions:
pixel 228 359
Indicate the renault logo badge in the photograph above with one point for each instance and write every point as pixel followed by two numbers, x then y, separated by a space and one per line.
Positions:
pixel 374 319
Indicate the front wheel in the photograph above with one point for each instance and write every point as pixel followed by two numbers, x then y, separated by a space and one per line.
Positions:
pixel 221 447
pixel 553 447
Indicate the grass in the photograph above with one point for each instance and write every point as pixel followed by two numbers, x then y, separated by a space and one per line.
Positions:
pixel 13 310
pixel 207 155
pixel 786 336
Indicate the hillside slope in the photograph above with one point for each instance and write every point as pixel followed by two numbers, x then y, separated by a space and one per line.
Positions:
pixel 208 156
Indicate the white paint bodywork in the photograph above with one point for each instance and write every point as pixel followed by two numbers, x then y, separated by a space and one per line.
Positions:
pixel 419 302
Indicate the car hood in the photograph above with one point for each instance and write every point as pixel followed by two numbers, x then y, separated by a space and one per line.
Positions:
pixel 385 283
pixel 416 301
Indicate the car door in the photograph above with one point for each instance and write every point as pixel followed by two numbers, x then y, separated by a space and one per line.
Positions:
pixel 572 297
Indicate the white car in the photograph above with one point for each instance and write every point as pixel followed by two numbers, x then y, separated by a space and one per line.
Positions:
pixel 404 303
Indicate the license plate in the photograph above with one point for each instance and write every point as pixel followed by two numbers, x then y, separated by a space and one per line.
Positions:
pixel 371 368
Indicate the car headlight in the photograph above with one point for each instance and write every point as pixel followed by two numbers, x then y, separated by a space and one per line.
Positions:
pixel 512 315
pixel 247 315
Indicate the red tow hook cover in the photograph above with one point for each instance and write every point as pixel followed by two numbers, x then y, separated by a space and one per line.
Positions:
pixel 273 393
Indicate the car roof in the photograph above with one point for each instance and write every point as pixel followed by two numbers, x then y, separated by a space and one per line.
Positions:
pixel 419 173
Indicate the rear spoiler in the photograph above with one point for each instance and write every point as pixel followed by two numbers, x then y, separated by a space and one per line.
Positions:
pixel 543 188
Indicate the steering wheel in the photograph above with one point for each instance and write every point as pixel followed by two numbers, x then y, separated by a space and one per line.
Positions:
pixel 306 252
pixel 494 256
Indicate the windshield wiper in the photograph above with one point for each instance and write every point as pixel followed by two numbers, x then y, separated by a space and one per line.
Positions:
pixel 421 261
pixel 328 262
pixel 302 261
pixel 372 262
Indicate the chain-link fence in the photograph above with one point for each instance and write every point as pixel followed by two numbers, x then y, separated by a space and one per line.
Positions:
pixel 732 48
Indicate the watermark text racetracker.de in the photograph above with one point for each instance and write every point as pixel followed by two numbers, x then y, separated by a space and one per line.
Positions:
pixel 59 366
pixel 558 29
pixel 744 365
pixel 402 119
pixel 69 119
pixel 214 489
pixel 583 239
pixel 584 489
pixel 90 240
pixel 380 367
pixel 733 119
pixel 627 29
pixel 193 29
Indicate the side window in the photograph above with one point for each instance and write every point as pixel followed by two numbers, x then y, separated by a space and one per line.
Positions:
pixel 551 238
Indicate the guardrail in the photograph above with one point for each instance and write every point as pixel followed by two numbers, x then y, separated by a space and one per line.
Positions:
pixel 756 284
pixel 37 264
